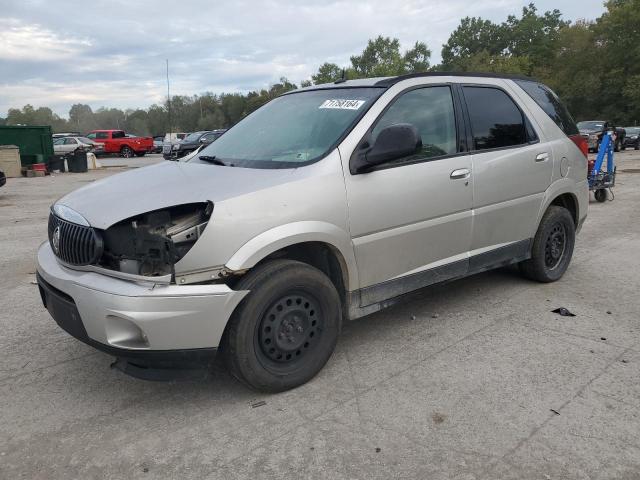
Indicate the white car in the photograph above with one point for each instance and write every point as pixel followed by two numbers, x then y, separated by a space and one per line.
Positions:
pixel 62 146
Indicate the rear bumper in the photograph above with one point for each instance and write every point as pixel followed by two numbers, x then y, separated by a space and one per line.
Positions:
pixel 132 320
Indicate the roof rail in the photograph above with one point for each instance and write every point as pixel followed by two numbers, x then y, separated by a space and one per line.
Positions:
pixel 387 82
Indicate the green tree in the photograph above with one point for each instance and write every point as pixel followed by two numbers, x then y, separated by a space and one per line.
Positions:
pixel 327 73
pixel 380 58
pixel 417 58
pixel 473 36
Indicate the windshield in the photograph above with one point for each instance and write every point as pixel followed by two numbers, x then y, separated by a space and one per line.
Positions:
pixel 590 125
pixel 85 140
pixel 632 130
pixel 193 137
pixel 293 130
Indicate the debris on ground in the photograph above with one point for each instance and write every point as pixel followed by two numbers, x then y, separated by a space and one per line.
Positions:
pixel 603 338
pixel 413 317
pixel 608 312
pixel 435 315
pixel 258 404
pixel 555 411
pixel 563 312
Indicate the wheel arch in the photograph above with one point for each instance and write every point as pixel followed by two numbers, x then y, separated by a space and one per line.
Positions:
pixel 563 193
pixel 320 244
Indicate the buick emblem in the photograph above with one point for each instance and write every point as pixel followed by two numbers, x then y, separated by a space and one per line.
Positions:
pixel 56 240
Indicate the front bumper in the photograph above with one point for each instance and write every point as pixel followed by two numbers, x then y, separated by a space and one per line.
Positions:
pixel 135 320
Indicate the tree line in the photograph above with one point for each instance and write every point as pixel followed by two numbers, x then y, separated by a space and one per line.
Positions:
pixel 594 65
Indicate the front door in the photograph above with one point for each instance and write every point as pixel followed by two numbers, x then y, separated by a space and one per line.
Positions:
pixel 411 218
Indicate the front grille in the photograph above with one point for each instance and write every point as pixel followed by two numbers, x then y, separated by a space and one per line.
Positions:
pixel 75 244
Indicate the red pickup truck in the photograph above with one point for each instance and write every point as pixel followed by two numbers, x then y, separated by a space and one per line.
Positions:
pixel 116 141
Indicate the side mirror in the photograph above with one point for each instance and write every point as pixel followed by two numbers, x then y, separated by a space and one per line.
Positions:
pixel 393 142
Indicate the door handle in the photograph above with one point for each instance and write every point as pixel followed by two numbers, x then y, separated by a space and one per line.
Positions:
pixel 460 173
pixel 542 157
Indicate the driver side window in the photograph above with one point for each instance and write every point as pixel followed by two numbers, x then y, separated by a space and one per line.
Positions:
pixel 431 111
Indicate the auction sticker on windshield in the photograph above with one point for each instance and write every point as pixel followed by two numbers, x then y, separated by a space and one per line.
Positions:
pixel 342 104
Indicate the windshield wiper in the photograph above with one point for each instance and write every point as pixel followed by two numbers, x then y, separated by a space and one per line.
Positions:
pixel 212 159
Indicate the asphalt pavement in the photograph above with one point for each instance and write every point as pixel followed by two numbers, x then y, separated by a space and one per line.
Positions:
pixel 475 379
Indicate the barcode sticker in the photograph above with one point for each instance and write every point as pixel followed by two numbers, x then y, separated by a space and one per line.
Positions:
pixel 342 104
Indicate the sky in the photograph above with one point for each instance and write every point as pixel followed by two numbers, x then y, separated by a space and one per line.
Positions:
pixel 112 53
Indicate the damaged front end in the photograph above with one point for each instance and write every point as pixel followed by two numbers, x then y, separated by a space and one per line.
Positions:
pixel 150 244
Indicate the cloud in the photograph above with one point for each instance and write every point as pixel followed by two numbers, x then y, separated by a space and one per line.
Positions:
pixel 113 53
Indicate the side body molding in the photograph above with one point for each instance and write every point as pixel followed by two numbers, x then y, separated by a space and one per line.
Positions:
pixel 298 232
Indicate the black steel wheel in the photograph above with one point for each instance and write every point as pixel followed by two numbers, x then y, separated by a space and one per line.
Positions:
pixel 552 247
pixel 290 329
pixel 285 329
pixel 600 195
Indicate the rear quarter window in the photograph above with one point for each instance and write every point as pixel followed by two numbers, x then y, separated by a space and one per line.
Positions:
pixel 548 101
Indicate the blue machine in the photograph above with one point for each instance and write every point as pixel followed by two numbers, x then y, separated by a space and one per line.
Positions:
pixel 600 182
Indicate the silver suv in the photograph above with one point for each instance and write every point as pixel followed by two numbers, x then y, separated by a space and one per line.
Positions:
pixel 327 204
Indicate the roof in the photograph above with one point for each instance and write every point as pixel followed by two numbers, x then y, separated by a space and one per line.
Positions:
pixel 386 82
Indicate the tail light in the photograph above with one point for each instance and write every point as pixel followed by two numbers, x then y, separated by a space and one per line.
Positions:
pixel 581 143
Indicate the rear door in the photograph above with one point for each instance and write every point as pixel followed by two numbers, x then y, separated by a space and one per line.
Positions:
pixel 512 169
pixel 410 219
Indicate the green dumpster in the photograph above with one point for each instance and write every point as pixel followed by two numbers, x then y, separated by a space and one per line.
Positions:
pixel 34 141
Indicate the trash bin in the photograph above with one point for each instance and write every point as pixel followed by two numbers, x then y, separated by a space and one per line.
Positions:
pixel 78 162
pixel 56 163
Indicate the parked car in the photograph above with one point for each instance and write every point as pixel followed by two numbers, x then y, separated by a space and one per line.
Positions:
pixel 633 138
pixel 117 141
pixel 64 145
pixel 170 144
pixel 195 140
pixel 593 130
pixel 67 134
pixel 326 204
pixel 157 144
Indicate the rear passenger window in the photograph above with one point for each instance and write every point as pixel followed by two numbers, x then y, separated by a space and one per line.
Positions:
pixel 551 104
pixel 496 121
pixel 430 110
pixel 102 135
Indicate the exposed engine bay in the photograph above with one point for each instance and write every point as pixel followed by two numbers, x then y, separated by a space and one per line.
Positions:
pixel 151 243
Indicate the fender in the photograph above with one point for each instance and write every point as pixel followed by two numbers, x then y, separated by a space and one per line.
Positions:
pixel 560 187
pixel 292 233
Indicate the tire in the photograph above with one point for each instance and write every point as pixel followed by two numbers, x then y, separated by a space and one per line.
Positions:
pixel 126 152
pixel 637 146
pixel 552 246
pixel 601 195
pixel 140 154
pixel 286 328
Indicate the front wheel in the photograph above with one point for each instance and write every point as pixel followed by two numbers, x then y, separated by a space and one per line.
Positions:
pixel 285 329
pixel 126 152
pixel 552 246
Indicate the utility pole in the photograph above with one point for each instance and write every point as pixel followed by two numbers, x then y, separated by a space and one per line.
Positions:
pixel 169 100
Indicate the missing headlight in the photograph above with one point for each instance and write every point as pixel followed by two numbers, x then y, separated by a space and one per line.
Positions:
pixel 151 243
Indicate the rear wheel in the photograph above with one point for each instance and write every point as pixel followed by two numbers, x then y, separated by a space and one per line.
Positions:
pixel 126 152
pixel 285 329
pixel 552 246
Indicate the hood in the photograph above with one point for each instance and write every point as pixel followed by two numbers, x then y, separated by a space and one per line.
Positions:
pixel 105 202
